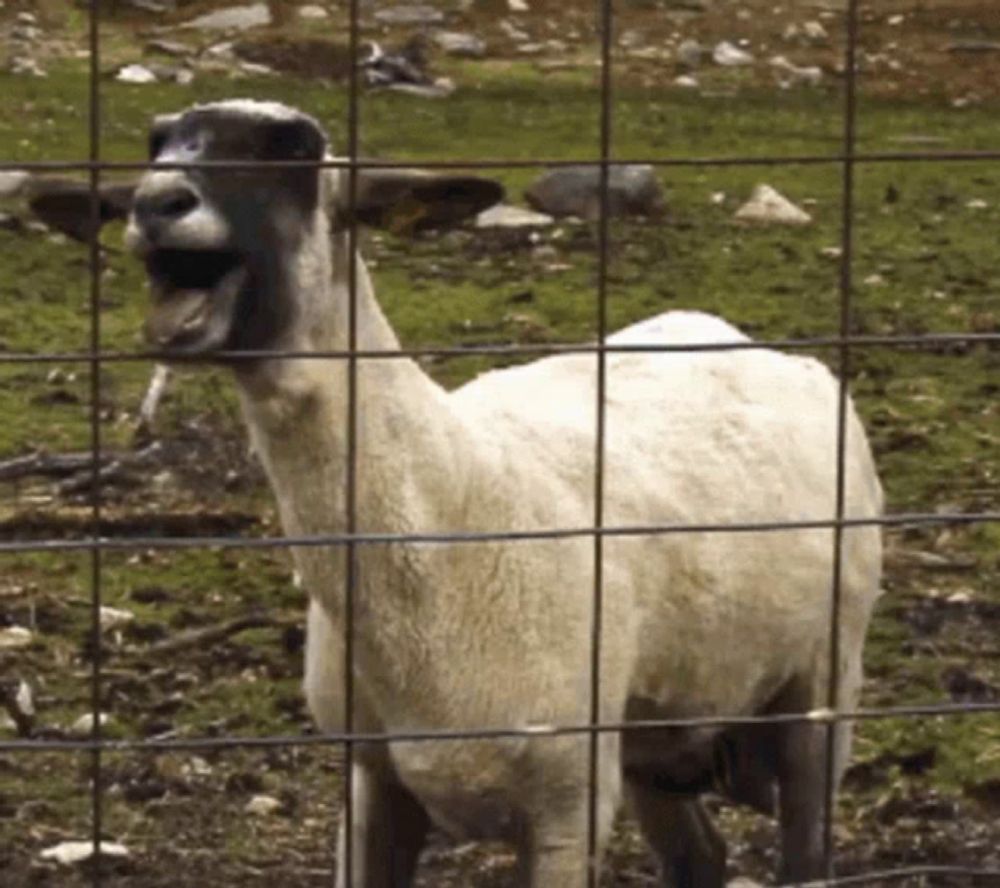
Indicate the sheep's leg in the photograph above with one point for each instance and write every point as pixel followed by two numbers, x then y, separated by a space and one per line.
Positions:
pixel 553 862
pixel 802 793
pixel 389 828
pixel 690 851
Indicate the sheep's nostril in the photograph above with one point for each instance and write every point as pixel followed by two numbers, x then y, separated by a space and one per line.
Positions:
pixel 166 205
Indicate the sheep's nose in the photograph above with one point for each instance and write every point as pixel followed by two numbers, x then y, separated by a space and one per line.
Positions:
pixel 160 203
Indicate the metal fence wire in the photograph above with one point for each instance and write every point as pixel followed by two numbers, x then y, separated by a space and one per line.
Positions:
pixel 843 346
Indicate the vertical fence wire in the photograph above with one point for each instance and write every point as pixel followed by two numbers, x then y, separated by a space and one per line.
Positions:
pixel 350 500
pixel 96 555
pixel 843 355
pixel 604 29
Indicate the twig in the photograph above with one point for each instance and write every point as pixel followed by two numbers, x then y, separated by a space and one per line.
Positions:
pixel 211 634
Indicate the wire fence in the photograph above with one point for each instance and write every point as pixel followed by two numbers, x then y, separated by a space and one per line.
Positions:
pixel 843 346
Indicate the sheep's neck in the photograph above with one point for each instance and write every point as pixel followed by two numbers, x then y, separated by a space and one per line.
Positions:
pixel 408 450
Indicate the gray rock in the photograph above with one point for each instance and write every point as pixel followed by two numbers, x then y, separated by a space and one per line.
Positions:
pixel 974 46
pixel 13 638
pixel 170 48
pixel 409 15
pixel 26 18
pixel 233 18
pixel 26 33
pixel 690 53
pixel 457 43
pixel 633 190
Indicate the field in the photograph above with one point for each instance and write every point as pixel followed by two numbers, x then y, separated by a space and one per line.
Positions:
pixel 925 261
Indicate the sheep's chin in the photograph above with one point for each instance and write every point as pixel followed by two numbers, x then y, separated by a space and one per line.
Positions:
pixel 193 297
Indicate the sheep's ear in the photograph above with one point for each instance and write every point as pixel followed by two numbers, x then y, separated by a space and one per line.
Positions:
pixel 404 201
pixel 65 204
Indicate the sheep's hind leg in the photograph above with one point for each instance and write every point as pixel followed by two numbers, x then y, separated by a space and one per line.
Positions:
pixel 389 829
pixel 802 793
pixel 690 851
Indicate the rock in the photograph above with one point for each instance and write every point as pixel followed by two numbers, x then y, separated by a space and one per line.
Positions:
pixel 26 18
pixel 14 638
pixel 790 74
pixel 69 853
pixel 686 81
pixel 26 66
pixel 255 69
pixel 730 56
pixel 575 191
pixel 262 805
pixel 185 76
pixel 313 13
pixel 457 43
pixel 977 204
pixel 767 206
pixel 24 699
pixel 814 32
pixel 135 74
pixel 441 88
pixel 518 6
pixel 12 182
pixel 172 48
pixel 743 883
pixel 26 33
pixel 84 725
pixel 513 32
pixel 974 46
pixel 690 53
pixel 409 15
pixel 233 18
pixel 115 618
pixel 506 216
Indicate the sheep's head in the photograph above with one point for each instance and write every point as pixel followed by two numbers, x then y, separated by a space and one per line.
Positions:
pixel 225 247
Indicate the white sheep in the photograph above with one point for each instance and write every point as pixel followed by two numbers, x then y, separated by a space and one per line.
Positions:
pixel 497 634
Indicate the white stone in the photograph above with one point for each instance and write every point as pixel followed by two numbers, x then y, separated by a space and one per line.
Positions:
pixel 874 280
pixel 135 74
pixel 686 81
pixel 68 853
pixel 518 6
pixel 730 56
pixel 791 73
pixel 312 12
pixel 84 725
pixel 13 638
pixel 896 20
pixel 24 699
pixel 768 206
pixel 815 32
pixel 262 805
pixel 460 44
pixel 115 618
pixel 977 204
pixel 12 182
pixel 960 596
pixel 506 216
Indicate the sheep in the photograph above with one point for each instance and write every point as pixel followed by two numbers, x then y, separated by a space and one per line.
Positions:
pixel 497 634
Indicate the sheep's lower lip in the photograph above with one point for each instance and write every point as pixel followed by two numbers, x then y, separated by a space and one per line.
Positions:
pixel 193 296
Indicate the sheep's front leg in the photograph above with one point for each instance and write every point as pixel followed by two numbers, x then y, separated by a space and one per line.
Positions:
pixel 389 828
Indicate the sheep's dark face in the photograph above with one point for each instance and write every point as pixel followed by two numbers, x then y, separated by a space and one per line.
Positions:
pixel 219 243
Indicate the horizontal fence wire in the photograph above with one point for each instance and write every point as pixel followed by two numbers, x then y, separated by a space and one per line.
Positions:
pixel 844 344
pixel 952 340
pixel 514 163
pixel 473 537
pixel 232 741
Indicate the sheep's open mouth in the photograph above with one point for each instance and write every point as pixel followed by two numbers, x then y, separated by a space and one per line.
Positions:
pixel 193 295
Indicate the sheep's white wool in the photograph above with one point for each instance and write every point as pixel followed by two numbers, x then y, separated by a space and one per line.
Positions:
pixel 255 108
